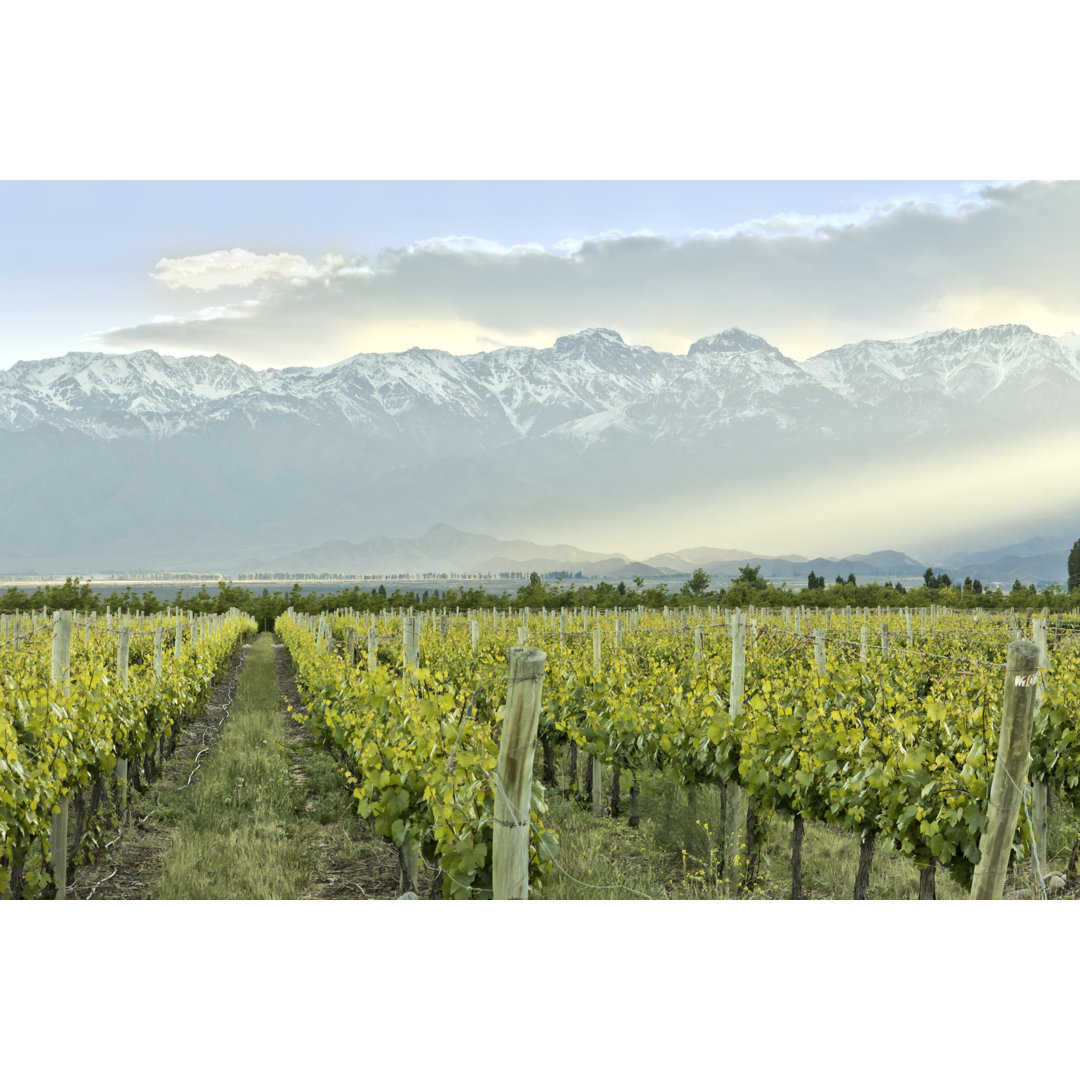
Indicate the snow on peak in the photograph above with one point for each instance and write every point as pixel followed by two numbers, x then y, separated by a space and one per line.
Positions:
pixel 732 340
pixel 588 337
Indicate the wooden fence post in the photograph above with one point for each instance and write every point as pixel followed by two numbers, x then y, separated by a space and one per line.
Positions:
pixel 372 648
pixel 513 787
pixel 1010 770
pixel 734 796
pixel 61 685
pixel 410 636
pixel 819 649
pixel 594 767
pixel 123 651
pixel 1039 789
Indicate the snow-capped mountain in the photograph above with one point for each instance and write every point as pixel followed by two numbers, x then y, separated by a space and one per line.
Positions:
pixel 584 385
pixel 172 460
pixel 115 396
pixel 1001 371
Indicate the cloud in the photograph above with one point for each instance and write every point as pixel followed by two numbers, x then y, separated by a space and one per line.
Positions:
pixel 1001 254
pixel 474 243
pixel 792 223
pixel 210 314
pixel 237 266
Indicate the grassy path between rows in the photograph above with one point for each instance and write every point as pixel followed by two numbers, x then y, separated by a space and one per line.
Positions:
pixel 269 818
pixel 239 837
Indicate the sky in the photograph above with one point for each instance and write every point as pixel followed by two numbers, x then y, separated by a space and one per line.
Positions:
pixel 279 273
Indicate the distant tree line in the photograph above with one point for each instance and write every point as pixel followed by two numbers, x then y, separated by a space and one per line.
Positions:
pixel 747 588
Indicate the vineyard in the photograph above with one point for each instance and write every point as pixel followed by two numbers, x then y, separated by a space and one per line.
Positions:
pixel 88 707
pixel 884 724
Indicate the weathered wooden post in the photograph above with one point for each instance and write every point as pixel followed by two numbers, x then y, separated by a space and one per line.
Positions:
pixel 123 653
pixel 594 767
pixel 735 806
pixel 863 643
pixel 1039 789
pixel 61 685
pixel 410 636
pixel 372 648
pixel 513 786
pixel 819 649
pixel 1010 770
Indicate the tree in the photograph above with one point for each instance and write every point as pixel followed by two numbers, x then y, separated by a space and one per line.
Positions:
pixel 622 588
pixel 699 582
pixel 534 578
pixel 839 580
pixel 930 579
pixel 851 579
pixel 976 586
pixel 751 575
pixel 814 581
pixel 1074 567
pixel 639 581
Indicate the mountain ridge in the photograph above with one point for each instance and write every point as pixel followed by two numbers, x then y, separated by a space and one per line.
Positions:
pixel 183 461
pixel 442 549
pixel 519 391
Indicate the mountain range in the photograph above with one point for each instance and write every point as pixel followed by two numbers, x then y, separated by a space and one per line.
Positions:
pixel 443 549
pixel 146 460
